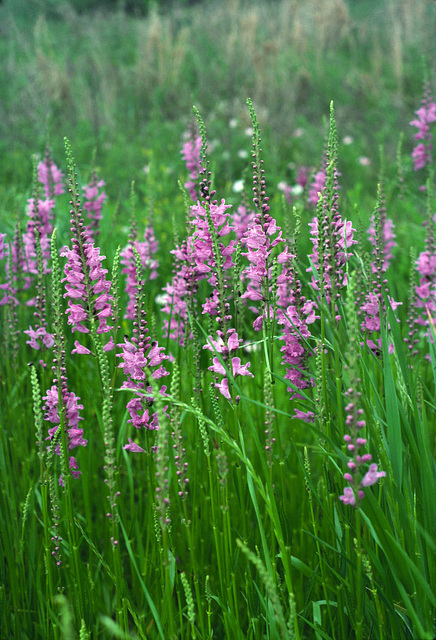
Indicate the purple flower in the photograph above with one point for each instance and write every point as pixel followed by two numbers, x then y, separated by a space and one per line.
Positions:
pixel 260 242
pixel 372 476
pixel 135 448
pixel 354 441
pixel 71 407
pixel 426 115
pixel 146 251
pixel 349 498
pixel 317 187
pixel 140 359
pixel 86 287
pixel 181 291
pixel 93 203
pixel 242 219
pixel 51 178
pixel 40 333
pixel 6 286
pixel 191 155
pixel 337 238
pixel 306 416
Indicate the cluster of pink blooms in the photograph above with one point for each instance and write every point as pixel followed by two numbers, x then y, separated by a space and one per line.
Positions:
pixel 204 257
pixel 290 191
pixel 40 216
pixel 5 286
pixel 191 155
pixel 331 236
pixel 87 291
pixel 71 409
pixel 295 320
pixel 181 289
pixel 146 250
pixel 195 261
pixel 426 115
pixel 383 241
pixel 225 346
pixel 138 361
pixel 338 238
pixel 317 186
pixel 261 238
pixel 39 334
pixel 51 178
pixel 242 219
pixel 93 203
pixel 388 239
pixel 354 493
pixel 425 291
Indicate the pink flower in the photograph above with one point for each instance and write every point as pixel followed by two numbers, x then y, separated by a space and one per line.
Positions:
pixel 135 448
pixel 146 250
pixel 349 498
pixel 79 348
pixel 39 334
pixel 306 416
pixel 372 476
pixel 240 370
pixel 426 115
pixel 95 296
pixel 317 187
pixel 51 178
pixel 223 388
pixel 191 155
pixel 71 408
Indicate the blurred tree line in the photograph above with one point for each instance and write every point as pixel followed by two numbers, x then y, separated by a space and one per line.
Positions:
pixel 138 7
pixel 133 7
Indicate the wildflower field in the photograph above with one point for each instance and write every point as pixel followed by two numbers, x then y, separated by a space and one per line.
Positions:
pixel 218 371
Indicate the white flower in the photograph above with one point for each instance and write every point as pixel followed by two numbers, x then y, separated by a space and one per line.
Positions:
pixel 238 186
pixel 348 140
pixel 249 131
pixel 297 190
pixel 242 153
pixel 233 123
pixel 364 161
pixel 251 347
pixel 161 299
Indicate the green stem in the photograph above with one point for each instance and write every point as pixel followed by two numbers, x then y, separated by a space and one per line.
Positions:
pixel 359 602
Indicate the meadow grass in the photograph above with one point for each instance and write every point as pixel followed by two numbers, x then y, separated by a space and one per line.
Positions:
pixel 233 518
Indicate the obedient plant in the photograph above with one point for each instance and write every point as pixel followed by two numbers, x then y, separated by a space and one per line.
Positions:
pixel 40 213
pixel 374 307
pixel 5 286
pixel 93 199
pixel 387 234
pixel 191 155
pixel 141 360
pixel 62 406
pixel 426 268
pixel 261 237
pixel 295 314
pixel 355 423
pixel 332 236
pixel 87 289
pixel 426 115
pixel 146 250
pixel 213 259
